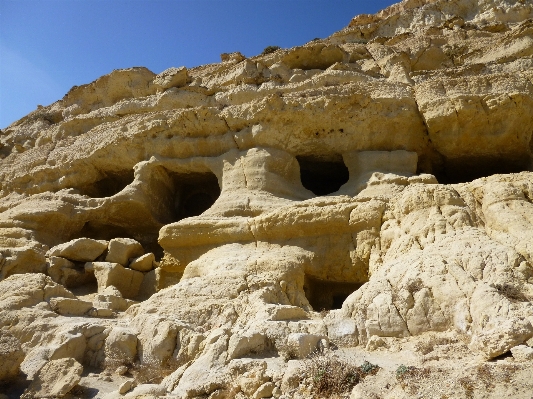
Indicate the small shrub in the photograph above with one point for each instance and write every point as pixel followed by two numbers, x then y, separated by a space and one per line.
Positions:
pixel 410 377
pixel 328 375
pixel 403 370
pixel 369 368
pixel 270 49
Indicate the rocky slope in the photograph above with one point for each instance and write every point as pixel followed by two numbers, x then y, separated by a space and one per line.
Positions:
pixel 199 233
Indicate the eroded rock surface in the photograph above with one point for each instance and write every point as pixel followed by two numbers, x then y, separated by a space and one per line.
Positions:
pixel 202 232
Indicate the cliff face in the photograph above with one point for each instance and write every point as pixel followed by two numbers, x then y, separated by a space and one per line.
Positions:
pixel 369 190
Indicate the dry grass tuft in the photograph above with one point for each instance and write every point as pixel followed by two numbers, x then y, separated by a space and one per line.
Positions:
pixel 411 377
pixel 328 375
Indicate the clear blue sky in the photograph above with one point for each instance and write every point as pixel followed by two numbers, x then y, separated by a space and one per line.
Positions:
pixel 48 46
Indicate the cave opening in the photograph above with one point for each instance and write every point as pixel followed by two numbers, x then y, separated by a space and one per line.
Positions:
pixel 327 295
pixel 464 170
pixel 110 184
pixel 194 193
pixel 322 177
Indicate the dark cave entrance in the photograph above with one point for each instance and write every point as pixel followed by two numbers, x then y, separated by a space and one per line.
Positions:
pixel 112 183
pixel 464 170
pixel 327 295
pixel 322 177
pixel 194 193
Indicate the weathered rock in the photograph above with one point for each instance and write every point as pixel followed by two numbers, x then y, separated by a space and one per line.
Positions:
pixel 508 334
pixel 120 346
pixel 291 377
pixel 302 345
pixel 111 298
pixel 121 250
pixel 67 273
pixel 522 353
pixel 264 391
pixel 125 387
pixel 172 77
pixel 127 281
pixel 375 343
pixel 70 307
pixel 55 379
pixel 366 189
pixel 252 381
pixel 55 266
pixel 80 249
pixel 143 263
pixel 157 279
pixel 11 356
pixel 240 345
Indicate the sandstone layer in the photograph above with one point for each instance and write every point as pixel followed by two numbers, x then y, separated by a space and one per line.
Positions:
pixel 186 234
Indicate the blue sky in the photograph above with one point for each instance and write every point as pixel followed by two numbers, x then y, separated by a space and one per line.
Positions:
pixel 48 46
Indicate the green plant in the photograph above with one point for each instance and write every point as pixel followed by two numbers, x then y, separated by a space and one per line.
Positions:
pixel 369 368
pixel 403 370
pixel 270 49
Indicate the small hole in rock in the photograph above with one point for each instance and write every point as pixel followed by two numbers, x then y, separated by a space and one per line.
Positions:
pixel 322 177
pixel 327 295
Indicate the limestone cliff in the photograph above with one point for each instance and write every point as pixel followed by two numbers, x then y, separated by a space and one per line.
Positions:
pixel 364 192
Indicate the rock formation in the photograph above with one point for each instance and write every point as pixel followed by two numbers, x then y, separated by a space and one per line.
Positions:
pixel 186 234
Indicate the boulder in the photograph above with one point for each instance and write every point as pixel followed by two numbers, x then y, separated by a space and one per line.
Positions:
pixel 143 263
pixel 70 306
pixel 242 344
pixel 302 345
pixel 67 341
pixel 79 249
pixel 264 391
pixel 125 387
pixel 127 281
pixel 55 379
pixel 121 250
pixel 500 339
pixel 342 331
